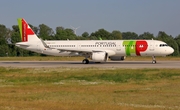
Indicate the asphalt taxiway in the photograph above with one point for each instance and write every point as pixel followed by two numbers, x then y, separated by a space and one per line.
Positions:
pixel 78 64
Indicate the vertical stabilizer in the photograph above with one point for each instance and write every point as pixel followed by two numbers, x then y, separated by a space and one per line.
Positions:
pixel 27 34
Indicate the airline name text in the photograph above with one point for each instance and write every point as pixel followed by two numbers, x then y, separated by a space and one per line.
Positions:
pixel 105 43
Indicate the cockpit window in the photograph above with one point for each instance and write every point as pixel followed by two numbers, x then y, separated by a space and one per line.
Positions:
pixel 163 45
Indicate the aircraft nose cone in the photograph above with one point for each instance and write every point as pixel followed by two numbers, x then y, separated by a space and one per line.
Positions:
pixel 170 50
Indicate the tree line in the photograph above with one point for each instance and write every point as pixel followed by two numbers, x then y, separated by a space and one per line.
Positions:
pixel 8 37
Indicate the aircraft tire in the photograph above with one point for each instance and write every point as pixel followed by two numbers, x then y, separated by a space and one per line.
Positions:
pixel 85 61
pixel 154 62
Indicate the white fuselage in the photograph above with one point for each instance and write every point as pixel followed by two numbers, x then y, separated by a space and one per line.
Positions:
pixel 112 47
pixel 97 50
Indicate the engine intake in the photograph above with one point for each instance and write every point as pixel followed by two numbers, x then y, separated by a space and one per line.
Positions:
pixel 99 56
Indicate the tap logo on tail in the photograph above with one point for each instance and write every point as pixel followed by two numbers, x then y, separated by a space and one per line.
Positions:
pixel 25 29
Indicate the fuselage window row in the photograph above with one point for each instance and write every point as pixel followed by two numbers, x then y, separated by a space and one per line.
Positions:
pixel 98 45
pixel 61 45
pixel 161 45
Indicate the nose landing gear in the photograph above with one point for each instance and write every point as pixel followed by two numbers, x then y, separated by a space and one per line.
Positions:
pixel 153 60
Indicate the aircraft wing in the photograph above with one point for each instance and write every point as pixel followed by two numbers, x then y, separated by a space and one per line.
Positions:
pixel 72 50
pixel 110 52
pixel 81 51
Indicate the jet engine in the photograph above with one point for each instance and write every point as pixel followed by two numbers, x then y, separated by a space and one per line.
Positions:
pixel 99 56
pixel 117 58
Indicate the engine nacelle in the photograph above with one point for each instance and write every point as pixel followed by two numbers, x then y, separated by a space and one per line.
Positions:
pixel 117 58
pixel 99 56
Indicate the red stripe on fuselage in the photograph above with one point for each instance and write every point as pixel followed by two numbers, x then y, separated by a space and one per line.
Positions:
pixel 141 46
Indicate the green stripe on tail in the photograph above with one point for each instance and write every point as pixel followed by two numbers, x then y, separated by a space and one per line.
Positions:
pixel 20 25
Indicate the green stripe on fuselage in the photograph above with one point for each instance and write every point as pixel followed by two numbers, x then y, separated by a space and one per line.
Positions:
pixel 129 47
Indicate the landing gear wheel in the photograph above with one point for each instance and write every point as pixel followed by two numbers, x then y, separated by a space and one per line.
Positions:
pixel 85 61
pixel 153 60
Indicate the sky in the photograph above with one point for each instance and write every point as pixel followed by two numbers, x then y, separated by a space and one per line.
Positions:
pixel 137 16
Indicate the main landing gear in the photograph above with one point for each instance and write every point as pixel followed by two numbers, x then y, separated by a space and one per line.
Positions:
pixel 153 60
pixel 85 61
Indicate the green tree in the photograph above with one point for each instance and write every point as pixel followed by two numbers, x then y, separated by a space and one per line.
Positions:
pixel 70 34
pixel 60 28
pixel 116 35
pixel 177 39
pixel 170 41
pixel 64 34
pixel 60 33
pixel 15 34
pixel 3 43
pixel 85 34
pixel 45 32
pixel 129 35
pixel 147 36
pixel 101 33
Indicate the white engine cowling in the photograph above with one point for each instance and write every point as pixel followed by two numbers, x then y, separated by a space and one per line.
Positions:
pixel 99 56
pixel 117 58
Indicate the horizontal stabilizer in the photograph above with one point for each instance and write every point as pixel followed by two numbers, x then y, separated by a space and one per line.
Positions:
pixel 22 44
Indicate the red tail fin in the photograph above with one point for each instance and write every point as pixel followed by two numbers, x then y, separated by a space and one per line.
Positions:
pixel 25 29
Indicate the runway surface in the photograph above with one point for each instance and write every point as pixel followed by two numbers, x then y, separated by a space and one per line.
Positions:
pixel 78 64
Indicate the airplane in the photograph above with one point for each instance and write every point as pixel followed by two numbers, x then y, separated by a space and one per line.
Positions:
pixel 96 50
